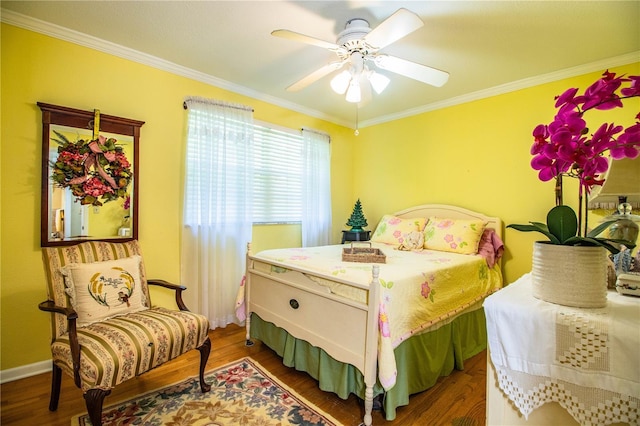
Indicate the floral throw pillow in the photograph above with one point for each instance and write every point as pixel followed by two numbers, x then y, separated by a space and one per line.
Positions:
pixel 393 229
pixel 453 235
pixel 102 290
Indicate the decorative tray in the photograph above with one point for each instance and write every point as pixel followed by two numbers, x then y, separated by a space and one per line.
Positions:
pixel 363 254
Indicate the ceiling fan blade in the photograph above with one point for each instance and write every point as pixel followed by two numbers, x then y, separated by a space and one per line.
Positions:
pixel 291 35
pixel 315 76
pixel 396 26
pixel 423 73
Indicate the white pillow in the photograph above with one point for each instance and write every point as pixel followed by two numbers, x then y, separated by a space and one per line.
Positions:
pixel 101 290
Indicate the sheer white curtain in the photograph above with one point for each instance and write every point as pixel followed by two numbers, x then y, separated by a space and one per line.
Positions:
pixel 217 212
pixel 316 202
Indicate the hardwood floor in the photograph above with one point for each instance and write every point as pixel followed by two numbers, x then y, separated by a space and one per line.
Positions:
pixel 457 400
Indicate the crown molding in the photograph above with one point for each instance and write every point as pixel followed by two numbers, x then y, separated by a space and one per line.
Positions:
pixel 76 37
pixel 62 33
pixel 525 83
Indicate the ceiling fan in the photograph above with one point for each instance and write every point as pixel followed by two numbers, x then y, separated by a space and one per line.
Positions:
pixel 358 45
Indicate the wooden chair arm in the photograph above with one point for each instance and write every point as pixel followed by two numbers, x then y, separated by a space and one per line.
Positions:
pixel 177 288
pixel 50 306
pixel 72 316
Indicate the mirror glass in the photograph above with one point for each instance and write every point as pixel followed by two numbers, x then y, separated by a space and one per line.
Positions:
pixel 89 189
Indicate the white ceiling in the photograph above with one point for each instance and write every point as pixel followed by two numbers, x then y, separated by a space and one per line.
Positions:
pixel 488 47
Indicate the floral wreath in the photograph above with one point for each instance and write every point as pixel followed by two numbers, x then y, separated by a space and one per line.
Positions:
pixel 96 171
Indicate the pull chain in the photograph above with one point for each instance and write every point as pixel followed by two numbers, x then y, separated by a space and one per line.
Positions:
pixel 357 132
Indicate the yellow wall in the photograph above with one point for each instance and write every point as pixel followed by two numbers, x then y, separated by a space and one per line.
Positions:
pixel 475 155
pixel 40 68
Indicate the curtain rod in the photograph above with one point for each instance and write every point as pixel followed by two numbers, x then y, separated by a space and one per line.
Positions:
pixel 189 99
pixel 317 132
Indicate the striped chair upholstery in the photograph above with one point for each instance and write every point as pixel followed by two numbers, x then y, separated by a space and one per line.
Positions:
pixel 122 347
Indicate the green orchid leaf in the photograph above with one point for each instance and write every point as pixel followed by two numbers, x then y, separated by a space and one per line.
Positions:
pixel 579 241
pixel 562 229
pixel 600 228
pixel 603 242
pixel 562 222
pixel 528 228
pixel 540 224
pixel 536 227
pixel 614 243
pixel 628 244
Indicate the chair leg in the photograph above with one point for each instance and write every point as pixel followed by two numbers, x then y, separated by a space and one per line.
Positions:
pixel 204 349
pixel 56 378
pixel 94 399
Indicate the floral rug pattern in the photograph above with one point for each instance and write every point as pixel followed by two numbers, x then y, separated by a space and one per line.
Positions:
pixel 242 393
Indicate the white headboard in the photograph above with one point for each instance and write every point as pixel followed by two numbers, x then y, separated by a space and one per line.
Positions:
pixel 452 212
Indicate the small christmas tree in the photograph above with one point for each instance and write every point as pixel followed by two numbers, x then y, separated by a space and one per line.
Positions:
pixel 357 220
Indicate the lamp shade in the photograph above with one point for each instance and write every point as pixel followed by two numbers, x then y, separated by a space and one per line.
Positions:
pixel 622 179
pixel 378 81
pixel 340 82
pixel 353 93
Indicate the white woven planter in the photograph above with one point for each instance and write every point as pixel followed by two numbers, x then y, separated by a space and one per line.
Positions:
pixel 570 275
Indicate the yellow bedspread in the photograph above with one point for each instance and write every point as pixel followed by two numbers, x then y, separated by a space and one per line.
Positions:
pixel 418 289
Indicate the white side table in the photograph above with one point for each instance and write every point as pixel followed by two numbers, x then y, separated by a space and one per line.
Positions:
pixel 558 365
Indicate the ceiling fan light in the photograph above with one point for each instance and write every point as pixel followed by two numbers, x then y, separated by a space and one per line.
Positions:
pixel 340 82
pixel 379 82
pixel 353 94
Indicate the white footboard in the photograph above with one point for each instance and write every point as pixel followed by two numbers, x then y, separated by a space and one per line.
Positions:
pixel 347 330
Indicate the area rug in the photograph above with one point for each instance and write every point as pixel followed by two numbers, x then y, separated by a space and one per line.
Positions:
pixel 242 393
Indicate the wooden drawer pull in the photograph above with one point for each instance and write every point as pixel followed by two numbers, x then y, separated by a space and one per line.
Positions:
pixel 294 303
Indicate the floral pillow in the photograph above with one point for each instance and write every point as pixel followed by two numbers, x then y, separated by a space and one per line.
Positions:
pixel 453 235
pixel 100 290
pixel 392 229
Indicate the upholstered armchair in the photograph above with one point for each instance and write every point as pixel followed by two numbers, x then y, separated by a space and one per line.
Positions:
pixel 104 328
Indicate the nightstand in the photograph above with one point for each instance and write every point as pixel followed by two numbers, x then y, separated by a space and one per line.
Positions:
pixel 355 236
pixel 558 364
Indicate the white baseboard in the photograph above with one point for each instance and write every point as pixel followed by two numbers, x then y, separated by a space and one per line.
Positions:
pixel 11 374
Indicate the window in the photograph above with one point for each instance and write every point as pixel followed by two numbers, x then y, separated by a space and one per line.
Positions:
pixel 278 174
pixel 239 171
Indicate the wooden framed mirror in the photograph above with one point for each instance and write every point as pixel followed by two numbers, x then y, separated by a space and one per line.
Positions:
pixel 90 180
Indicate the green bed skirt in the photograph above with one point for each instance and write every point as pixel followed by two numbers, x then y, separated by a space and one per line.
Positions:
pixel 421 360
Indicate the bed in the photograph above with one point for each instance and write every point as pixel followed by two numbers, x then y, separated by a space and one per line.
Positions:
pixel 379 330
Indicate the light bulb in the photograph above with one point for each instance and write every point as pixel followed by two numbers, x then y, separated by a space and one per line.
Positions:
pixel 379 82
pixel 353 94
pixel 340 82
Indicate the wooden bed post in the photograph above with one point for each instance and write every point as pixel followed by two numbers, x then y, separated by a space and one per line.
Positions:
pixel 371 349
